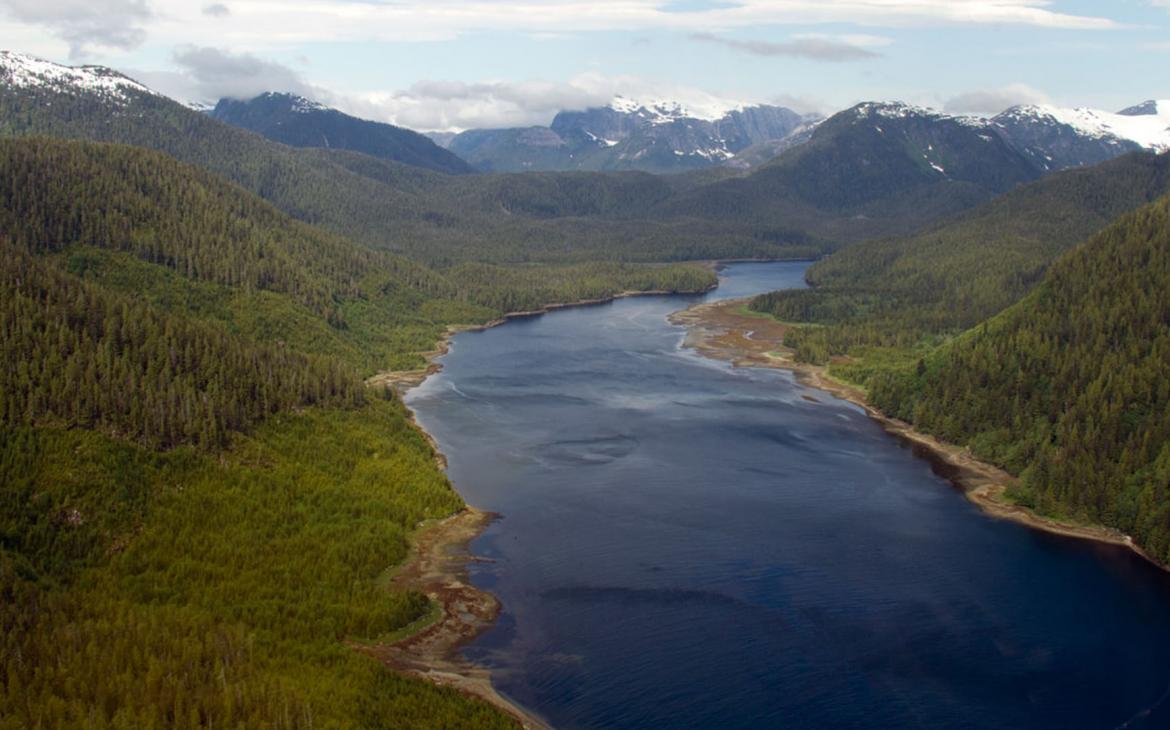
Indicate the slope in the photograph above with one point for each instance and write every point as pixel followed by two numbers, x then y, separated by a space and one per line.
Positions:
pixel 896 292
pixel 431 217
pixel 660 137
pixel 299 122
pixel 1070 388
pixel 167 485
pixel 876 169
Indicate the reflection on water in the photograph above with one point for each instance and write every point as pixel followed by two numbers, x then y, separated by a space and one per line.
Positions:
pixel 684 544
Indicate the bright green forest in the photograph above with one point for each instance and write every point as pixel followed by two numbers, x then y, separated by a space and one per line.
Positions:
pixel 201 497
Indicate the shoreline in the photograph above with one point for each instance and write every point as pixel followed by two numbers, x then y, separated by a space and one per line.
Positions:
pixel 716 330
pixel 437 567
pixel 440 554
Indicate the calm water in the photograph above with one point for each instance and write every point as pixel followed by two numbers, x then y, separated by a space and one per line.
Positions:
pixel 684 544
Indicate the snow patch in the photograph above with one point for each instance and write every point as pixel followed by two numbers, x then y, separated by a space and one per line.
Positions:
pixel 664 111
pixel 601 140
pixel 301 105
pixel 27 72
pixel 1150 130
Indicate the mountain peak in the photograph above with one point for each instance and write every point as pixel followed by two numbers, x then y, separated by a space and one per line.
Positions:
pixel 1153 107
pixel 893 110
pixel 1146 125
pixel 301 122
pixel 294 102
pixel 29 72
pixel 664 111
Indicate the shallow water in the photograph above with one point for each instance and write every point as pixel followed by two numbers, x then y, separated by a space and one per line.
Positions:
pixel 684 544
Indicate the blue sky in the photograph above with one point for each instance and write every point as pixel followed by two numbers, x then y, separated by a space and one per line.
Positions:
pixel 462 63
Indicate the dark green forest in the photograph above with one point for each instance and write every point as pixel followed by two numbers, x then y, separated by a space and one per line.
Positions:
pixel 1070 388
pixel 434 218
pixel 912 292
pixel 1007 332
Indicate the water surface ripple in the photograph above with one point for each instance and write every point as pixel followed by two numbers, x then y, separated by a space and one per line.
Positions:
pixel 687 545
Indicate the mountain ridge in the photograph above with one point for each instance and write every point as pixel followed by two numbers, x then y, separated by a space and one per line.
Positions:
pixel 301 122
pixel 629 135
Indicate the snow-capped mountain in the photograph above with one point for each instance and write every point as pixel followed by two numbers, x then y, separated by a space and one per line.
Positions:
pixel 1054 138
pixel 21 71
pixel 892 143
pixel 656 136
pixel 1051 138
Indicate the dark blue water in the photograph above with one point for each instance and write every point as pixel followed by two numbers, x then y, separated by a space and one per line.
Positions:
pixel 684 544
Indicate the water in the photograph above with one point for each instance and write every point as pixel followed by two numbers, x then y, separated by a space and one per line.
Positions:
pixel 684 544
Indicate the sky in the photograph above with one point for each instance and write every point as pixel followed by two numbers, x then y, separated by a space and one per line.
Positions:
pixel 460 64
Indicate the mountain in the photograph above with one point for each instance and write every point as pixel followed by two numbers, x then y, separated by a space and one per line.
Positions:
pixel 876 169
pixel 299 122
pixel 1069 388
pixel 879 169
pixel 1056 139
pixel 953 275
pixel 629 135
pixel 435 218
pixel 761 152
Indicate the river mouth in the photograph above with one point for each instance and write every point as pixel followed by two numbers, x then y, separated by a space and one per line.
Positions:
pixel 683 544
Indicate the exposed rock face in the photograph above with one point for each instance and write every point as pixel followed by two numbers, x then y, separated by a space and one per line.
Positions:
pixel 628 135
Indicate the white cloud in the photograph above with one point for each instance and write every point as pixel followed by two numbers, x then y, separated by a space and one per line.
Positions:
pixel 206 74
pixel 453 105
pixel 83 24
pixel 995 100
pixel 265 24
pixel 210 74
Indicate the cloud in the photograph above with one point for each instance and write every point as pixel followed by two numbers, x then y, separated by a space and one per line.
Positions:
pixel 804 104
pixel 455 105
pixel 206 74
pixel 811 48
pixel 212 73
pixel 994 101
pixel 259 25
pixel 85 23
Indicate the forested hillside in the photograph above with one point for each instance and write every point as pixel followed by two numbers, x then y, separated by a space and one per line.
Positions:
pixel 901 291
pixel 1070 388
pixel 200 498
pixel 434 218
pixel 143 224
pixel 873 170
pixel 74 355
